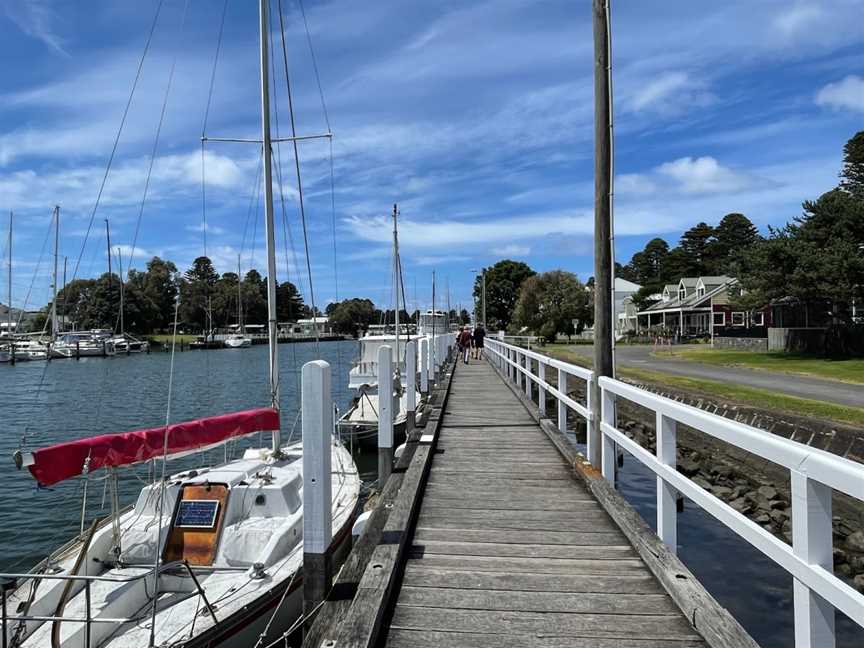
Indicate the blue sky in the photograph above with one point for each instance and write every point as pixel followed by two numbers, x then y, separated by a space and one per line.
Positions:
pixel 476 117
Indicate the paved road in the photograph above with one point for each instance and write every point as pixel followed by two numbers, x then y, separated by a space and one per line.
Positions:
pixel 830 391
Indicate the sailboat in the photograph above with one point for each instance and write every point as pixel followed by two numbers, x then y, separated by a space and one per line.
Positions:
pixel 359 424
pixel 239 340
pixel 206 557
pixel 123 342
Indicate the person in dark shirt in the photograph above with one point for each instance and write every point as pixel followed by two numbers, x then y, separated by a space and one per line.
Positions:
pixel 479 334
pixel 465 343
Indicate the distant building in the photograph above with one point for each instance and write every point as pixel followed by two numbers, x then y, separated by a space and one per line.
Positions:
pixel 625 311
pixel 21 320
pixel 314 326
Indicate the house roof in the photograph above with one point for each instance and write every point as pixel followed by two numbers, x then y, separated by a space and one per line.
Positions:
pixel 671 288
pixel 689 282
pixel 715 281
pixel 626 286
pixel 692 301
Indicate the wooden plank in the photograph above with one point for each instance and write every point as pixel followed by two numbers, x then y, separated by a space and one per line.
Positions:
pixel 549 624
pixel 399 638
pixel 568 603
pixel 635 583
pixel 607 552
pixel 505 521
pixel 528 565
pixel 592 514
pixel 520 537
pixel 570 506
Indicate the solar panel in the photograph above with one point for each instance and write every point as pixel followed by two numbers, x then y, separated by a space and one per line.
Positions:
pixel 199 514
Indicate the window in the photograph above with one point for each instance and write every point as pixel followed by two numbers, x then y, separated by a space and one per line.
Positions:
pixel 700 291
pixel 719 319
pixel 757 318
pixel 682 293
pixel 738 319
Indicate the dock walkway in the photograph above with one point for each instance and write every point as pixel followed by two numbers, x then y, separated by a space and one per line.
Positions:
pixel 510 549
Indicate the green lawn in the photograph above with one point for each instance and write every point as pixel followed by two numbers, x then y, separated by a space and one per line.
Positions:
pixel 725 391
pixel 845 370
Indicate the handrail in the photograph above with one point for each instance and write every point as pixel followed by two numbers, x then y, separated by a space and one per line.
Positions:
pixel 814 474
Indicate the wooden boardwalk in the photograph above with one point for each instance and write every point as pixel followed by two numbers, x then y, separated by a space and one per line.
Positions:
pixel 510 549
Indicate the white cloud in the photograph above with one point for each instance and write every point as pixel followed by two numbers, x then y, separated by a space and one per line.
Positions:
pixel 634 183
pixel 126 252
pixel 847 94
pixel 671 93
pixel 512 250
pixel 211 229
pixel 797 19
pixel 703 175
pixel 659 89
pixel 36 19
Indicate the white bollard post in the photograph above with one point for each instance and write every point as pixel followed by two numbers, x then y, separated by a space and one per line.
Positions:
pixel 317 413
pixel 410 385
pixel 424 366
pixel 606 456
pixel 667 521
pixel 385 414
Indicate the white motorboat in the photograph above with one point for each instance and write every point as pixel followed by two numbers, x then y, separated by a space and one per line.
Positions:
pixel 126 344
pixel 237 341
pixel 83 344
pixel 226 543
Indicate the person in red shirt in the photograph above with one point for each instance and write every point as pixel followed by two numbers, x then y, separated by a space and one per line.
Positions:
pixel 465 343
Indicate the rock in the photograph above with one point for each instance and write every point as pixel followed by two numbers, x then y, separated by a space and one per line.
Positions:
pixel 695 456
pixel 722 470
pixel 767 492
pixel 688 467
pixel 702 482
pixel 777 517
pixel 857 563
pixel 859 582
pixel 741 505
pixel 778 504
pixel 844 569
pixel 762 518
pixel 763 504
pixel 855 541
pixel 723 492
pixel 737 492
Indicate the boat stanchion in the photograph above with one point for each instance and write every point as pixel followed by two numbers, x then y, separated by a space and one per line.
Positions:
pixel 385 414
pixel 317 412
pixel 410 386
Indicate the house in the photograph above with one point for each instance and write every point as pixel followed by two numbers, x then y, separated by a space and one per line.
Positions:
pixel 314 326
pixel 624 316
pixel 700 306
pixel 25 317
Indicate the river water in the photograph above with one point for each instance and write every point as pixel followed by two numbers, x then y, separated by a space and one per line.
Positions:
pixel 44 403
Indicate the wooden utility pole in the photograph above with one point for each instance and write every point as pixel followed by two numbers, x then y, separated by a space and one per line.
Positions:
pixel 602 219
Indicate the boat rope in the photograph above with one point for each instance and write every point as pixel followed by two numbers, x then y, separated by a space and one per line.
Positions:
pixel 161 503
pixel 299 182
pixel 117 136
pixel 155 149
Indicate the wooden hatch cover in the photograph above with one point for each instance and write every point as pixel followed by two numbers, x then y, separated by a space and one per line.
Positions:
pixel 194 534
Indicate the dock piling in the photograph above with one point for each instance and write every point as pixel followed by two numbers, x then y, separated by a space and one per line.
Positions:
pixel 317 415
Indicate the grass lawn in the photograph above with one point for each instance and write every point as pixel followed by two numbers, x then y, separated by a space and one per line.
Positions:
pixel 726 391
pixel 166 338
pixel 851 370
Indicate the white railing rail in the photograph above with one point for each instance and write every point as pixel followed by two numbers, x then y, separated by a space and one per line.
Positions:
pixel 814 473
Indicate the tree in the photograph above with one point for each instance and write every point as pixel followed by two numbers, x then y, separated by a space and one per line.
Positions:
pixel 852 175
pixel 552 303
pixel 289 303
pixel 352 315
pixel 695 244
pixel 464 317
pixel 196 291
pixel 160 290
pixel 733 236
pixel 649 265
pixel 503 281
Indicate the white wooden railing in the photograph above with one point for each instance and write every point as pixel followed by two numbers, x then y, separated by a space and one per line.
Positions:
pixel 814 474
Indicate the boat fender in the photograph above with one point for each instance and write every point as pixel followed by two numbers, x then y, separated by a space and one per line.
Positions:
pixel 397 453
pixel 360 524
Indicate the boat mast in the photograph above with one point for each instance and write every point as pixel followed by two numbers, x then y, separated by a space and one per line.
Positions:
pixel 268 213
pixel 396 282
pixel 239 300
pixel 54 327
pixel 122 293
pixel 9 279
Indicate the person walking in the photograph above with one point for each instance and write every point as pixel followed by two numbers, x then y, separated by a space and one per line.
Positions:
pixel 479 334
pixel 465 343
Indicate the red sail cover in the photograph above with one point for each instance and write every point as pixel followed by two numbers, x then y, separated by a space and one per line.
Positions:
pixel 64 460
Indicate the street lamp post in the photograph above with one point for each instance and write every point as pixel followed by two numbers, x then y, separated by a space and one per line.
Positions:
pixel 482 298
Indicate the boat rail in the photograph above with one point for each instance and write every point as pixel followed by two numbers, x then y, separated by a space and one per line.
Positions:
pixel 814 474
pixel 9 581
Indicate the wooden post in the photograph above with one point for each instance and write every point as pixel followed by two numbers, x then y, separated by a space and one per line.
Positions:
pixel 424 366
pixel 385 414
pixel 541 393
pixel 410 385
pixel 812 542
pixel 607 454
pixel 562 408
pixel 667 522
pixel 602 216
pixel 317 412
pixel 430 362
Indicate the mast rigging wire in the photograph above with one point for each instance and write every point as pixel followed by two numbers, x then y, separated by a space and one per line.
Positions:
pixel 117 136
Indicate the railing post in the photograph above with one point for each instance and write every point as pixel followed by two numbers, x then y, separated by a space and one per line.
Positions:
pixel 667 521
pixel 605 456
pixel 410 385
pixel 317 412
pixel 509 366
pixel 541 393
pixel 385 414
pixel 430 362
pixel 424 366
pixel 812 542
pixel 528 381
pixel 562 408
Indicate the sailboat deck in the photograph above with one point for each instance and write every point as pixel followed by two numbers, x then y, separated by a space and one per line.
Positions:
pixel 510 550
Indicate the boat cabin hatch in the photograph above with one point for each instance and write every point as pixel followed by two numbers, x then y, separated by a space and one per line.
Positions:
pixel 197 523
